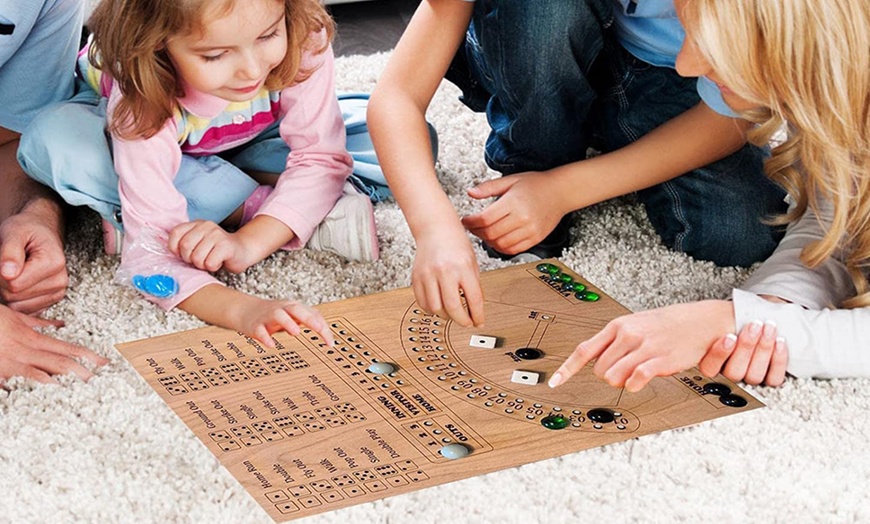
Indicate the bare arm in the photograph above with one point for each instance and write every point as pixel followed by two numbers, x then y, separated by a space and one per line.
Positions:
pixel 445 262
pixel 531 204
pixel 696 138
pixel 398 106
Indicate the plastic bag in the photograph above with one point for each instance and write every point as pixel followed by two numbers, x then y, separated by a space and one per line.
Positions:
pixel 155 278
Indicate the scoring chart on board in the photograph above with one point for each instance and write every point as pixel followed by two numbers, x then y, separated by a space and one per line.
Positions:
pixel 406 400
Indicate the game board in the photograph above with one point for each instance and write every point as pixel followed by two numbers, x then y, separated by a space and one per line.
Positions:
pixel 407 400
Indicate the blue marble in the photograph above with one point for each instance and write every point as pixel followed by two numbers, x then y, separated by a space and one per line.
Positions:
pixel 454 451
pixel 382 368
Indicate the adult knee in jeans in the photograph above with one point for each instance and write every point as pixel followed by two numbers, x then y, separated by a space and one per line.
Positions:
pixel 65 148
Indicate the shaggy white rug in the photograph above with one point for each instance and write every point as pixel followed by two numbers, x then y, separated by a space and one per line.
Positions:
pixel 112 451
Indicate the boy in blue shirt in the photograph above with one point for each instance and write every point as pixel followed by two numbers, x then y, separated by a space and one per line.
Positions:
pixel 556 78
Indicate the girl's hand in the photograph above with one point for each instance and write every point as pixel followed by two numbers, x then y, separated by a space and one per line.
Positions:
pixel 756 356
pixel 444 265
pixel 260 318
pixel 527 209
pixel 207 246
pixel 633 349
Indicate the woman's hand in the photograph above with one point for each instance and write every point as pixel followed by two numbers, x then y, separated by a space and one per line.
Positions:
pixel 633 349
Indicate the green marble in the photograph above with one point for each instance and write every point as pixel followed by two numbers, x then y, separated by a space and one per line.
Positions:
pixel 588 296
pixel 555 422
pixel 564 277
pixel 546 268
pixel 578 287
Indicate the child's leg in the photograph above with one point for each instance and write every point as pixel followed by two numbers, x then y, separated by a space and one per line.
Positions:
pixel 713 213
pixel 528 64
pixel 66 149
pixel 349 229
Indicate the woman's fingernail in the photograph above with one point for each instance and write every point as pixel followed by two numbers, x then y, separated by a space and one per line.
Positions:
pixel 780 344
pixel 730 341
pixel 555 380
pixel 755 327
pixel 769 329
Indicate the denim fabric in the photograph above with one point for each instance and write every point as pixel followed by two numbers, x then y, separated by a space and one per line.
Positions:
pixel 66 148
pixel 554 81
pixel 269 153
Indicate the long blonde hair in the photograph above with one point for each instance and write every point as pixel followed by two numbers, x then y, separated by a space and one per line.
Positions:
pixel 806 63
pixel 129 45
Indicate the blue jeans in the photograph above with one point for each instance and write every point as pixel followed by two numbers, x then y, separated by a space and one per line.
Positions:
pixel 66 148
pixel 554 81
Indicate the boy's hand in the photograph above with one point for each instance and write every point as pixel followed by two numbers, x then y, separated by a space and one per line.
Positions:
pixel 756 356
pixel 260 318
pixel 444 265
pixel 528 207
pixel 32 264
pixel 207 246
pixel 633 349
pixel 30 354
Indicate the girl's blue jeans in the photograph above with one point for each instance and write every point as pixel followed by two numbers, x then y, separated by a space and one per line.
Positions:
pixel 67 149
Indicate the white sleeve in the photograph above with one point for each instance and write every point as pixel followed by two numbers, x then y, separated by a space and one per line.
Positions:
pixel 823 342
pixel 826 343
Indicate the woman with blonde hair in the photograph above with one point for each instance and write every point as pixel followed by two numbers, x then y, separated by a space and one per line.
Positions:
pixel 801 66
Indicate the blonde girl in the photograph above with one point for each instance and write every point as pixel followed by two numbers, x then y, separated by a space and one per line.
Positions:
pixel 803 65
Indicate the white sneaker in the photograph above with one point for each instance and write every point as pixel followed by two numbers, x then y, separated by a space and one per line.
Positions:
pixel 349 228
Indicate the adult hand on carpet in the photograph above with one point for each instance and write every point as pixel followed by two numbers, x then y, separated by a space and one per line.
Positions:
pixel 528 207
pixel 30 354
pixel 32 264
pixel 633 349
pixel 756 356
pixel 444 265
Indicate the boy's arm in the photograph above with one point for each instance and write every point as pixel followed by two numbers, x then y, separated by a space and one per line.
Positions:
pixel 694 139
pixel 397 109
pixel 445 261
pixel 691 140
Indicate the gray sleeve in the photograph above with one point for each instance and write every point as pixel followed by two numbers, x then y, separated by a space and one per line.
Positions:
pixel 784 275
pixel 825 343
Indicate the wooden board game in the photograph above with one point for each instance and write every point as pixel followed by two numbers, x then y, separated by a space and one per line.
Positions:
pixel 308 428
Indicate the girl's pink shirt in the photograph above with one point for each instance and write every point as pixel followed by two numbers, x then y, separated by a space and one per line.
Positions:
pixel 316 169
